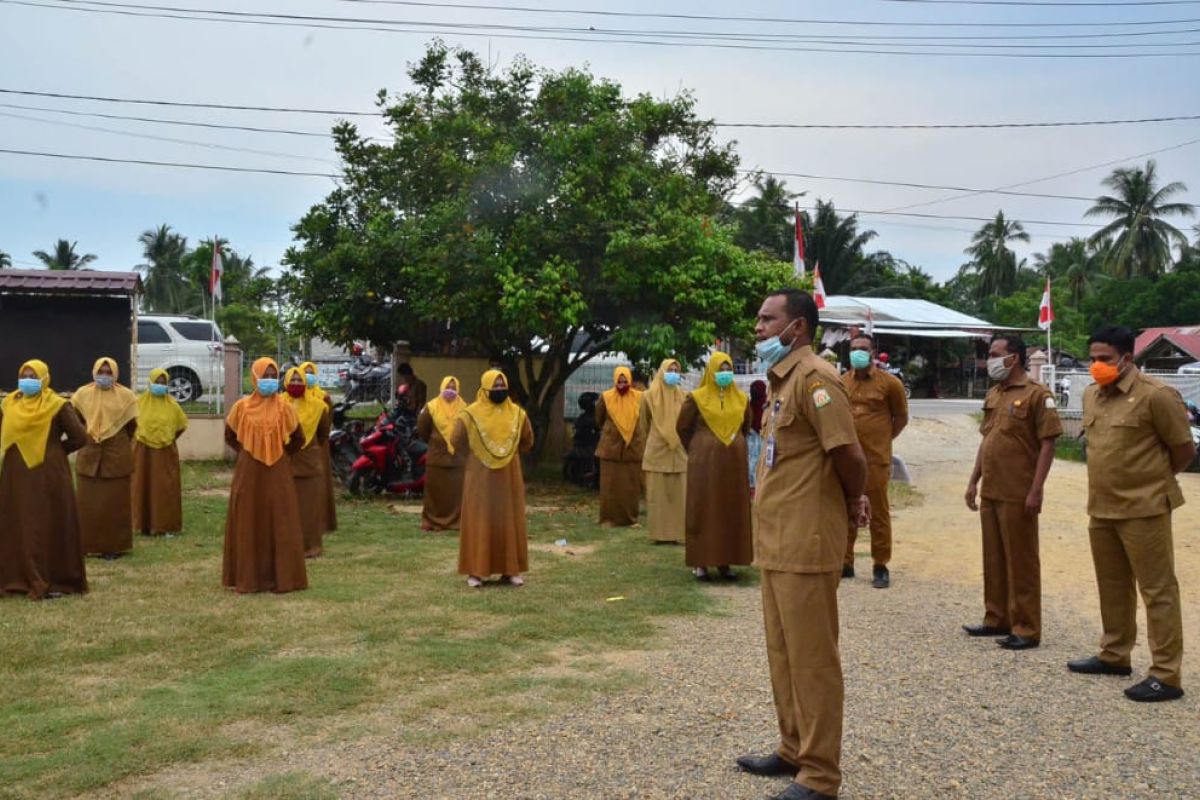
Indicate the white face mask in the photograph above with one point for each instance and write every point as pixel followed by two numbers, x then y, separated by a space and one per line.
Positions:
pixel 996 369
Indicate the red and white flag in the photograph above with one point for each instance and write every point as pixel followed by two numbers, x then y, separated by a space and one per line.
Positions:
pixel 218 268
pixel 818 286
pixel 798 245
pixel 870 321
pixel 1046 311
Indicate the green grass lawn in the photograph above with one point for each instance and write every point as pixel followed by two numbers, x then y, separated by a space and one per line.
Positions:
pixel 160 666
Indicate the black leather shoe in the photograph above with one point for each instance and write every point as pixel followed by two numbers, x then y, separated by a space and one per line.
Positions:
pixel 769 766
pixel 1094 666
pixel 985 630
pixel 1152 690
pixel 1014 642
pixel 848 571
pixel 882 578
pixel 796 791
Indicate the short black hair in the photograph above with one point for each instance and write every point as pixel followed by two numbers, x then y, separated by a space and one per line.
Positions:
pixel 1118 336
pixel 866 336
pixel 405 369
pixel 800 304
pixel 1015 344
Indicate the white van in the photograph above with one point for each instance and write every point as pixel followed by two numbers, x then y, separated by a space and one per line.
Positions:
pixel 188 348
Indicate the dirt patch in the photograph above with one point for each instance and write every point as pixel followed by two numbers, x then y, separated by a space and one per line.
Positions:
pixel 221 492
pixel 565 550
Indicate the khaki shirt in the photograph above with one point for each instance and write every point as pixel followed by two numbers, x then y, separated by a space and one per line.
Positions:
pixel 876 401
pixel 112 458
pixel 658 455
pixel 1130 427
pixel 1016 418
pixel 799 505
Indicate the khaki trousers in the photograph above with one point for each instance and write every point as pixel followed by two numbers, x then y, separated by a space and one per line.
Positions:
pixel 1012 568
pixel 881 519
pixel 1139 553
pixel 801 617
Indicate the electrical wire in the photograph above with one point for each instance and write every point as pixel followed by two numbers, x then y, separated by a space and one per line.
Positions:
pixel 175 164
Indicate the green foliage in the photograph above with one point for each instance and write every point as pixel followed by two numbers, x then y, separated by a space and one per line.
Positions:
pixel 5 260
pixel 766 221
pixel 1173 299
pixel 1020 310
pixel 64 256
pixel 1141 238
pixel 836 244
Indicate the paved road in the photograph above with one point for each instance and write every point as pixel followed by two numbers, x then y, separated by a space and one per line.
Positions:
pixel 942 408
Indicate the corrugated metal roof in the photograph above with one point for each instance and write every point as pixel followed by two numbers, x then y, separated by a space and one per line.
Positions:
pixel 904 312
pixel 81 281
pixel 1151 335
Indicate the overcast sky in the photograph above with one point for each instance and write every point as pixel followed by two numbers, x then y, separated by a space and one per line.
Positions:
pixel 47 46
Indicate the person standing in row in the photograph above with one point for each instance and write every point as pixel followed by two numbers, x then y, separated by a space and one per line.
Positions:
pixel 441 503
pixel 308 463
pixel 664 461
pixel 104 466
pixel 41 550
pixel 1138 440
pixel 314 389
pixel 880 412
pixel 758 404
pixel 418 392
pixel 1020 426
pixel 264 540
pixel 712 426
pixel 493 431
pixel 811 478
pixel 157 488
pixel 620 451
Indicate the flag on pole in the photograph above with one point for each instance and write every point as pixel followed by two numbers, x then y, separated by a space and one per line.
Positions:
pixel 798 245
pixel 870 320
pixel 218 268
pixel 818 286
pixel 1046 311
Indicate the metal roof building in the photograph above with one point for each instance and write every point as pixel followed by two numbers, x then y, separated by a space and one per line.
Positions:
pixel 898 316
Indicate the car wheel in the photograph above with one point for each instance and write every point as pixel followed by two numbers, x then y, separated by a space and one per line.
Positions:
pixel 183 385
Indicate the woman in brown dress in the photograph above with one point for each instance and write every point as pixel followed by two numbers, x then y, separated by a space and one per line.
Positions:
pixel 157 489
pixel 41 553
pixel 264 542
pixel 104 467
pixel 442 503
pixel 314 389
pixel 665 461
pixel 493 431
pixel 620 451
pixel 308 463
pixel 712 426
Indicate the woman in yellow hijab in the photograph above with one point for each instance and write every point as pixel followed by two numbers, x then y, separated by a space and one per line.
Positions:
pixel 314 390
pixel 665 460
pixel 712 427
pixel 309 463
pixel 264 541
pixel 157 490
pixel 492 432
pixel 104 467
pixel 41 552
pixel 442 503
pixel 620 451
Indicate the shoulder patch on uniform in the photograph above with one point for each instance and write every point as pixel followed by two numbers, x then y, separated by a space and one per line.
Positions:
pixel 821 397
pixel 1050 402
pixel 812 387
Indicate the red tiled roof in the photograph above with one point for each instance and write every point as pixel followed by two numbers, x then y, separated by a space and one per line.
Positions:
pixel 82 281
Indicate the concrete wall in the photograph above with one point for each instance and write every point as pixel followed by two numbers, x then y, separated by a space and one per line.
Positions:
pixel 204 439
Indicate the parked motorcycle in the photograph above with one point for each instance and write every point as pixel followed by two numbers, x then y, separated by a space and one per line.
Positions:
pixel 579 463
pixel 392 458
pixel 343 440
pixel 365 380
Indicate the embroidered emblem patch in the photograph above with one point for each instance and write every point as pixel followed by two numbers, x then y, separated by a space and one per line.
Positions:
pixel 821 398
pixel 1050 403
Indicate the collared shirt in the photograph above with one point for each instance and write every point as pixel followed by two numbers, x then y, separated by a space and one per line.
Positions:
pixel 1016 418
pixel 799 505
pixel 1130 428
pixel 876 400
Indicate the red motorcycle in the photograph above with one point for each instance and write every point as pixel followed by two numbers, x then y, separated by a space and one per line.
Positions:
pixel 393 458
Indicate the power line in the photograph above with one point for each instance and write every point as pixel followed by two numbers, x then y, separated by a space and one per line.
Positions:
pixel 175 164
pixel 161 121
pixel 182 104
pixel 1057 3
pixel 909 185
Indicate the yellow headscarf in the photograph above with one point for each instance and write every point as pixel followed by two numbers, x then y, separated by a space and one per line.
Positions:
pixel 493 429
pixel 263 424
pixel 665 403
pixel 443 413
pixel 308 408
pixel 724 410
pixel 315 390
pixel 623 408
pixel 160 419
pixel 106 411
pixel 27 419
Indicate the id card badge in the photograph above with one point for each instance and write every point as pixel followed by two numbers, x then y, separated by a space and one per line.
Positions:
pixel 769 459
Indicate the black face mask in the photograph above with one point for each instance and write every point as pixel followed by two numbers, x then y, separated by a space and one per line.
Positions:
pixel 498 396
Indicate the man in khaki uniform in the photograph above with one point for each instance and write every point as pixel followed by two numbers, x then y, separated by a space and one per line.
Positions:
pixel 811 479
pixel 1020 425
pixel 880 412
pixel 1138 439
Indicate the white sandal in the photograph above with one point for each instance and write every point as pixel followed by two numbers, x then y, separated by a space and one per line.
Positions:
pixel 514 580
pixel 474 583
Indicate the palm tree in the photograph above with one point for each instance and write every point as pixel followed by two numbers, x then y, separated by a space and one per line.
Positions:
pixel 1076 263
pixel 834 242
pixel 1142 239
pixel 5 260
pixel 167 287
pixel 765 221
pixel 996 264
pixel 64 256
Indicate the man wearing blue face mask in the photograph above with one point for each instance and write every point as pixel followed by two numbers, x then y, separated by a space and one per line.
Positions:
pixel 880 412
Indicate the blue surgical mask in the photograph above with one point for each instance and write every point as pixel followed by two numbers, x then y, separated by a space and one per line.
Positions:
pixel 158 389
pixel 771 351
pixel 268 386
pixel 672 378
pixel 310 379
pixel 724 379
pixel 860 359
pixel 104 381
pixel 29 386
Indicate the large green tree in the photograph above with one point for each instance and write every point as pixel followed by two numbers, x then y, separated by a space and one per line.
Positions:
pixel 1144 302
pixel 1142 239
pixel 767 221
pixel 64 256
pixel 169 289
pixel 1076 265
pixel 993 260
pixel 539 218
pixel 836 244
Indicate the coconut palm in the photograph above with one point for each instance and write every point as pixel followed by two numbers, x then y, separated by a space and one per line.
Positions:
pixel 5 260
pixel 64 256
pixel 995 263
pixel 168 289
pixel 1077 264
pixel 765 221
pixel 835 243
pixel 1142 239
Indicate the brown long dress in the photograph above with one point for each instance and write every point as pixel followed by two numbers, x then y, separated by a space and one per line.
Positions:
pixel 264 543
pixel 442 504
pixel 41 551
pixel 309 468
pixel 665 468
pixel 718 493
pixel 157 489
pixel 620 471
pixel 104 487
pixel 330 497
pixel 493 534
